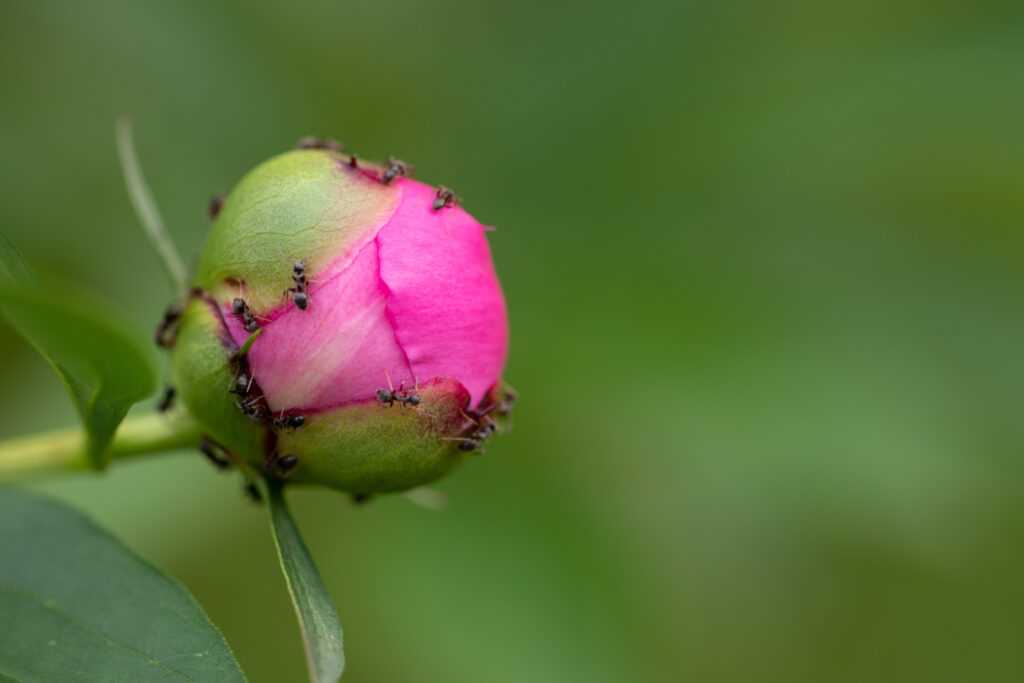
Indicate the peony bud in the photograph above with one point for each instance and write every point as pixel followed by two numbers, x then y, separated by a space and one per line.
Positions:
pixel 346 326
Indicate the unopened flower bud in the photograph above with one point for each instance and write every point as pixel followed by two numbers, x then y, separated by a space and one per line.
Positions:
pixel 346 326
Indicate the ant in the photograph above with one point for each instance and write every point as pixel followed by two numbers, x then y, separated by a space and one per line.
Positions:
pixel 285 463
pixel 390 395
pixel 395 168
pixel 167 331
pixel 242 384
pixel 252 409
pixel 446 197
pixel 361 498
pixel 289 421
pixel 486 427
pixel 467 443
pixel 503 408
pixel 167 400
pixel 239 307
pixel 298 292
pixel 319 143
pixel 215 454
pixel 215 205
pixel 253 492
pixel 482 426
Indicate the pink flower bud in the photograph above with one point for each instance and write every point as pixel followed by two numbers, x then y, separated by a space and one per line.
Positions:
pixel 355 317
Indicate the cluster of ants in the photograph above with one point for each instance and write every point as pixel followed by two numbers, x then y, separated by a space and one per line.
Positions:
pixel 481 426
pixel 298 293
pixel 395 168
pixel 254 405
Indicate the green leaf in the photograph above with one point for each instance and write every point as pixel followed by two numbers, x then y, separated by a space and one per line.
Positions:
pixel 12 265
pixel 318 620
pixel 79 606
pixel 105 369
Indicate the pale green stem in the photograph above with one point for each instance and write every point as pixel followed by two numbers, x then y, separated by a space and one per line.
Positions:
pixel 145 208
pixel 64 450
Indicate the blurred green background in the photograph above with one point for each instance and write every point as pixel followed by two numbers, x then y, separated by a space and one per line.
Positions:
pixel 763 264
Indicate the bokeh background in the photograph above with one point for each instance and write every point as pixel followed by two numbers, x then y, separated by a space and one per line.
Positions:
pixel 763 264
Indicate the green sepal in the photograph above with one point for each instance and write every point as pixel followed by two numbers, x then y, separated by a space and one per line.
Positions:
pixel 370 447
pixel 202 372
pixel 303 205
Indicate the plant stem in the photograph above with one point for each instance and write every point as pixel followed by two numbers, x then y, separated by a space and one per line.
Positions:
pixel 145 208
pixel 64 450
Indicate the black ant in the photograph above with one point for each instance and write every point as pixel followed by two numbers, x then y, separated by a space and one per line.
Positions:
pixel 319 143
pixel 298 292
pixel 286 463
pixel 253 492
pixel 253 409
pixel 167 400
pixel 242 384
pixel 467 443
pixel 486 427
pixel 215 205
pixel 167 331
pixel 215 454
pixel 445 197
pixel 482 427
pixel 395 168
pixel 390 396
pixel 361 498
pixel 508 401
pixel 289 422
pixel 239 307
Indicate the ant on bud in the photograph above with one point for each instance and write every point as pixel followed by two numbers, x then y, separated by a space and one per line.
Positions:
pixel 311 142
pixel 252 409
pixel 167 400
pixel 481 428
pixel 242 384
pixel 395 168
pixel 167 330
pixel 298 293
pixel 361 498
pixel 253 492
pixel 467 444
pixel 239 307
pixel 445 198
pixel 508 401
pixel 215 453
pixel 286 463
pixel 215 205
pixel 289 421
pixel 390 396
pixel 485 426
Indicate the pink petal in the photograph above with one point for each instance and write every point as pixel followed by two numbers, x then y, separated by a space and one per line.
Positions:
pixel 341 349
pixel 418 301
pixel 446 303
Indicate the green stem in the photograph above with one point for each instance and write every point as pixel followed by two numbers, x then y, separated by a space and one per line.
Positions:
pixel 64 450
pixel 145 208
